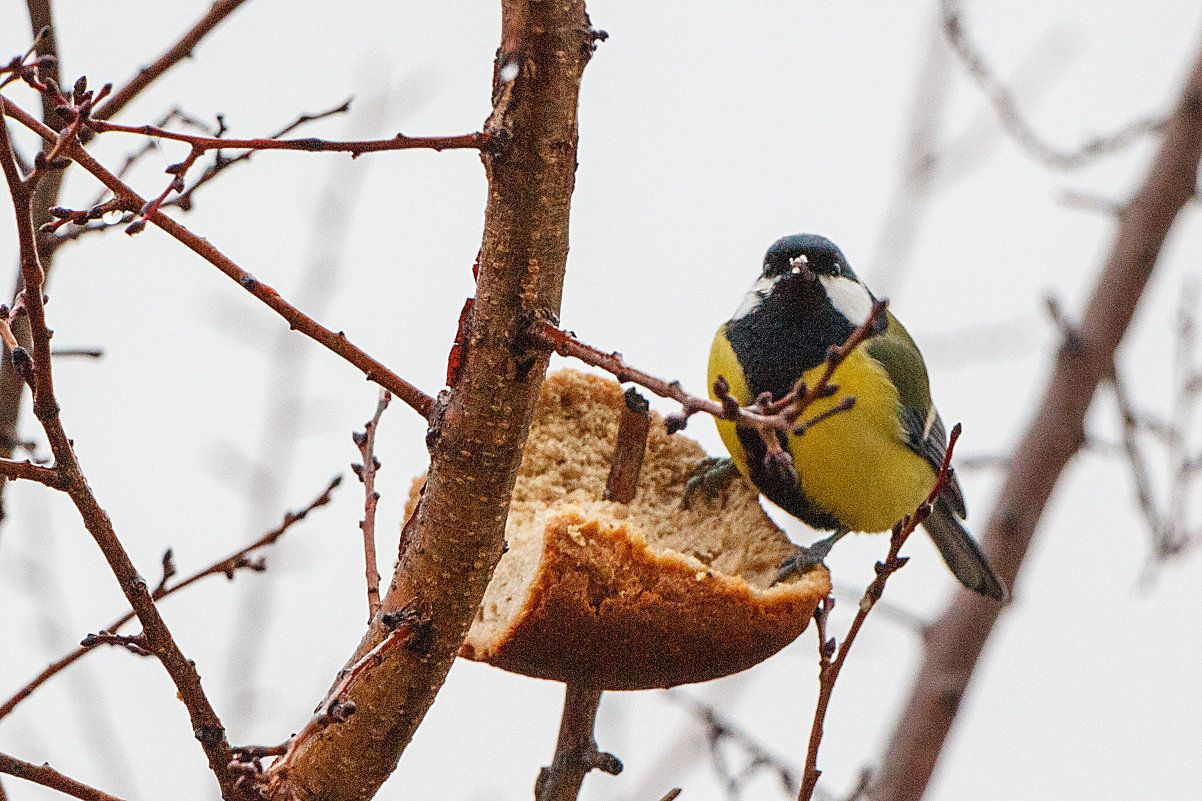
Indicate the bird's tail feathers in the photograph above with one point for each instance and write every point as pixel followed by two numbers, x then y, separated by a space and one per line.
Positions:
pixel 962 553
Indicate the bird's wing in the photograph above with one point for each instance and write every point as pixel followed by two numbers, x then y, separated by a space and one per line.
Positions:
pixel 922 430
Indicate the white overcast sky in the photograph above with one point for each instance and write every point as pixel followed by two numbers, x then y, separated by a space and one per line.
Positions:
pixel 707 130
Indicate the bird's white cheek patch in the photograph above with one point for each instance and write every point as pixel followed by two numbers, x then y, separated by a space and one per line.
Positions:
pixel 849 297
pixel 754 297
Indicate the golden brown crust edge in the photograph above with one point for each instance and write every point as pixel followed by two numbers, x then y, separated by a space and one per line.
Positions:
pixel 601 593
pixel 607 611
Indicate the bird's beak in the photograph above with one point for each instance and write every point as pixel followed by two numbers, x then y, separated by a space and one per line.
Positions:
pixel 800 267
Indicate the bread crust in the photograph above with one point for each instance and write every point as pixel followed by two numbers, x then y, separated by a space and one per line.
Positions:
pixel 639 595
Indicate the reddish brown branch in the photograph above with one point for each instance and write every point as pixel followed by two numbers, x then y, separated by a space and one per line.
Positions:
pixel 629 449
pixel 88 220
pixel 456 535
pixel 201 144
pixel 768 417
pixel 366 442
pixel 45 194
pixel 228 567
pixel 134 643
pixel 11 468
pixel 178 171
pixel 957 639
pixel 372 368
pixel 176 53
pixel 576 751
pixel 158 639
pixel 410 630
pixel 223 163
pixel 828 668
pixel 49 777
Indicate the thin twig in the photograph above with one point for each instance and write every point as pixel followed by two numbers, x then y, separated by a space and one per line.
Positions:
pixel 356 148
pixel 1128 423
pixel 228 567
pixel 366 442
pixel 201 144
pixel 828 670
pixel 1012 118
pixel 134 643
pixel 1175 536
pixel 767 416
pixel 410 630
pixel 576 751
pixel 957 639
pixel 222 163
pixel 372 368
pixel 11 468
pixel 76 353
pixel 177 52
pixel 719 730
pixel 1168 528
pixel 90 219
pixel 49 777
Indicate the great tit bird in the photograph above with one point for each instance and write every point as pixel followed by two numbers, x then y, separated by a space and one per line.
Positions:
pixel 862 469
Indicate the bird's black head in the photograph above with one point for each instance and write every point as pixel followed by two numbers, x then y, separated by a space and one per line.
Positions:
pixel 806 254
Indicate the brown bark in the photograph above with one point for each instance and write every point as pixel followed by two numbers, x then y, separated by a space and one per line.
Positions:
pixel 12 385
pixel 956 640
pixel 49 777
pixel 155 635
pixel 453 542
pixel 576 752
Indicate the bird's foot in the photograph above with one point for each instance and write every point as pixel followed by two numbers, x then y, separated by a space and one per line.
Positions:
pixel 711 475
pixel 806 558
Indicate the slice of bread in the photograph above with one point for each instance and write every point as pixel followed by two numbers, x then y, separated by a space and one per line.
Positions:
pixel 639 595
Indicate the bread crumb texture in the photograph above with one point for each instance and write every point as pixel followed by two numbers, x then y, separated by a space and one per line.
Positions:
pixel 639 595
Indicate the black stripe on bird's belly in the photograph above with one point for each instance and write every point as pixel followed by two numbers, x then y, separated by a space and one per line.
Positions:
pixel 788 333
pixel 781 487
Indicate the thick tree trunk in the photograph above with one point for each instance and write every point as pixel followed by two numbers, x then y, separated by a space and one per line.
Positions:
pixel 456 537
pixel 956 640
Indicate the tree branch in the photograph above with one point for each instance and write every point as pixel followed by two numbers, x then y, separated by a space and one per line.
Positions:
pixel 49 777
pixel 1012 119
pixel 828 668
pixel 201 144
pixel 480 424
pixel 11 468
pixel 767 416
pixel 366 443
pixel 205 723
pixel 228 567
pixel 176 53
pixel 576 751
pixel 372 368
pixel 956 640
pixel 12 382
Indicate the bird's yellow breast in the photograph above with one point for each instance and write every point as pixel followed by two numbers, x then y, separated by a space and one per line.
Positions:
pixel 855 465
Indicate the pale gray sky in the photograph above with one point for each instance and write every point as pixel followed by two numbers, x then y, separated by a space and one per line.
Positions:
pixel 706 131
